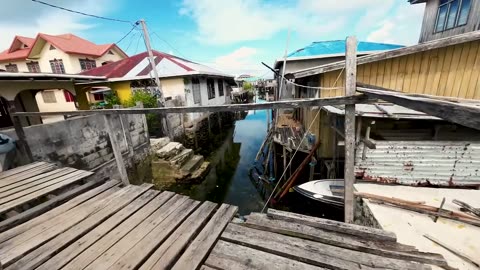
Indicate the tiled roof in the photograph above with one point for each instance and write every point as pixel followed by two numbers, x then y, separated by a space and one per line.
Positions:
pixel 333 47
pixel 69 43
pixel 138 65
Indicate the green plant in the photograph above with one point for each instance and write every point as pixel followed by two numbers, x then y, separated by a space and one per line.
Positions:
pixel 111 99
pixel 247 86
pixel 149 100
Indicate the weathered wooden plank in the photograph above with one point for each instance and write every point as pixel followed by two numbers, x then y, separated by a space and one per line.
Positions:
pixel 426 46
pixel 21 169
pixel 18 192
pixel 44 207
pixel 44 191
pixel 331 225
pixel 170 250
pixel 283 104
pixel 204 267
pixel 4 236
pixel 199 248
pixel 311 252
pixel 76 248
pixel 26 174
pixel 35 180
pixel 465 115
pixel 117 153
pixel 86 217
pixel 128 233
pixel 129 241
pixel 387 249
pixel 125 207
pixel 140 252
pixel 231 256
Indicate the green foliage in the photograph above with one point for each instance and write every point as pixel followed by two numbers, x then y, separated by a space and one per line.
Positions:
pixel 247 86
pixel 149 100
pixel 110 100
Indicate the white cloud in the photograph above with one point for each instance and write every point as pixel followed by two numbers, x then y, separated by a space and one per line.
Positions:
pixel 402 28
pixel 233 21
pixel 27 18
pixel 243 60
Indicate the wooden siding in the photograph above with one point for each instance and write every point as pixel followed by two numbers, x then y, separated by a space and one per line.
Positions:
pixel 430 16
pixel 451 71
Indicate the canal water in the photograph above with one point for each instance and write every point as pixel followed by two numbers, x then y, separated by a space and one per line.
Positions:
pixel 229 182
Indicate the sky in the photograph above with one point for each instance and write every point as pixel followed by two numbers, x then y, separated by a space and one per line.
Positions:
pixel 234 36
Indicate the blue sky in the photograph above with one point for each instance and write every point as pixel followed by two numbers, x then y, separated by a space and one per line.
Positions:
pixel 231 35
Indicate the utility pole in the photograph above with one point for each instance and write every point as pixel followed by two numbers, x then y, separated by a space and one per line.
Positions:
pixel 161 99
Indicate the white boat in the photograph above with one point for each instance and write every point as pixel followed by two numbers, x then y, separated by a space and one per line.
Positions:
pixel 329 191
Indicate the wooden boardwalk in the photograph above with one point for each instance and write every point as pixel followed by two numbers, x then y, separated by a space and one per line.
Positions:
pixel 135 227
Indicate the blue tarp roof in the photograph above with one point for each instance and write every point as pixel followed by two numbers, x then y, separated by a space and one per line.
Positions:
pixel 338 47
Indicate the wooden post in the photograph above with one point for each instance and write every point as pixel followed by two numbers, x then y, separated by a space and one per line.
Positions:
pixel 126 131
pixel 122 170
pixel 22 139
pixel 350 85
pixel 209 127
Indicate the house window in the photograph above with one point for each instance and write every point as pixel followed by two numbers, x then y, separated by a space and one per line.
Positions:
pixel 33 67
pixel 98 96
pixel 211 88
pixel 57 66
pixel 68 96
pixel 451 14
pixel 49 97
pixel 196 90
pixel 11 68
pixel 86 64
pixel 220 88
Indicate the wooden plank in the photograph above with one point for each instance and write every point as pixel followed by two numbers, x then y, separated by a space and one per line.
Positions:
pixel 21 138
pixel 472 92
pixel 311 252
pixel 44 207
pixel 120 249
pixel 283 104
pixel 469 67
pixel 14 250
pixel 331 225
pixel 460 71
pixel 142 250
pixel 122 170
pixel 42 192
pixel 203 243
pixel 129 232
pixel 37 179
pixel 426 46
pixel 56 211
pixel 204 267
pixel 125 207
pixel 21 169
pixel 408 73
pixel 387 249
pixel 231 256
pixel 465 115
pixel 170 250
pixel 452 74
pixel 350 89
pixel 26 174
pixel 430 73
pixel 18 192
pixel 76 248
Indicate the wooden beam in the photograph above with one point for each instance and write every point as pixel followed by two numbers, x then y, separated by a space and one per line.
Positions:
pixel 462 114
pixel 122 170
pixel 22 139
pixel 439 43
pixel 350 85
pixel 297 103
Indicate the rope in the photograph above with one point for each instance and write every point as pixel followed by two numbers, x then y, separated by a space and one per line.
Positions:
pixel 296 150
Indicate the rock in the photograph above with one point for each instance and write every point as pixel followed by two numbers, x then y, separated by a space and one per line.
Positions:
pixel 199 174
pixel 157 144
pixel 193 164
pixel 180 159
pixel 170 150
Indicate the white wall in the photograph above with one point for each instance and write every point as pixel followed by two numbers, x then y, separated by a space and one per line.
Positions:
pixel 204 101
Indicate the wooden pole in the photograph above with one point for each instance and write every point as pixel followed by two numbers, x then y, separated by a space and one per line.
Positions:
pixel 122 170
pixel 350 86
pixel 22 139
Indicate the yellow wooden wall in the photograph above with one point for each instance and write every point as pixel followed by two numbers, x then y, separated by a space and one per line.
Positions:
pixel 451 71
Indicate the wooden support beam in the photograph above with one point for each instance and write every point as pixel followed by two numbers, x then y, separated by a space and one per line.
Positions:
pixel 122 170
pixel 462 114
pixel 350 85
pixel 22 139
pixel 283 104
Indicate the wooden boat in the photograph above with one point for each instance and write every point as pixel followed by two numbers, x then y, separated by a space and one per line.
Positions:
pixel 329 191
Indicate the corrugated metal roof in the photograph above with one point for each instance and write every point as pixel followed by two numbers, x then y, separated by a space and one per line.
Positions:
pixel 381 110
pixel 332 47
pixel 443 163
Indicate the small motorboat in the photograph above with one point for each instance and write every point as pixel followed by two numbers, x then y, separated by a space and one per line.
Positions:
pixel 329 191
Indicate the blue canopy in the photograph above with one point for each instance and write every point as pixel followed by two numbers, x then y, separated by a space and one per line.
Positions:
pixel 338 47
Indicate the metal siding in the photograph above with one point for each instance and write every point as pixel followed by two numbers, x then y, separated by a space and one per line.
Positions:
pixel 443 163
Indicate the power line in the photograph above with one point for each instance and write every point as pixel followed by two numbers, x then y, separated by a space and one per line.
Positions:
pixel 126 35
pixel 82 13
pixel 131 41
pixel 138 42
pixel 169 45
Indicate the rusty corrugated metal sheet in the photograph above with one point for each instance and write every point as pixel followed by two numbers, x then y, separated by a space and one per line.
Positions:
pixel 442 163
